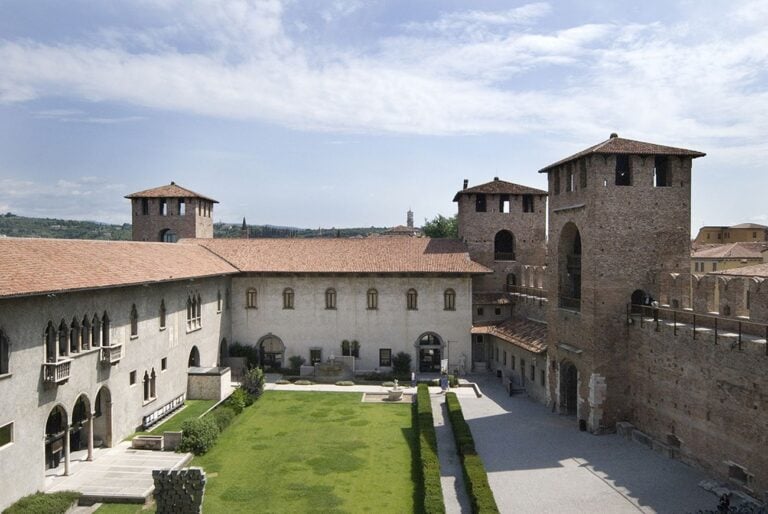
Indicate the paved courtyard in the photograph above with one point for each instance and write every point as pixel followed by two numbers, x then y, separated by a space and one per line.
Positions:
pixel 539 462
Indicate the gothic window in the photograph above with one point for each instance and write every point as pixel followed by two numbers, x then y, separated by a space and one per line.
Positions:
pixel 250 298
pixel 287 298
pixel 218 300
pixel 144 206
pixel 569 268
pixel 85 334
pixel 96 331
pixel 412 300
pixel 105 329
pixel 330 298
pixel 568 177
pixel 163 211
pixel 182 207
pixel 556 181
pixel 63 339
pixel 449 300
pixel 146 386
pixel 5 353
pixel 51 353
pixel 152 389
pixel 162 314
pixel 373 299
pixel 74 336
pixel 134 321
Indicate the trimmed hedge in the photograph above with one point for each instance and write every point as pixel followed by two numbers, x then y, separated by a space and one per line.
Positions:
pixel 475 476
pixel 430 464
pixel 41 503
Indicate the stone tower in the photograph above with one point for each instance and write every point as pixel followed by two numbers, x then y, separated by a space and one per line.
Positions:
pixel 619 212
pixel 503 225
pixel 409 219
pixel 169 213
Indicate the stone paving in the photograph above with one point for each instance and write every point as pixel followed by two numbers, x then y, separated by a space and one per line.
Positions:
pixel 451 474
pixel 538 461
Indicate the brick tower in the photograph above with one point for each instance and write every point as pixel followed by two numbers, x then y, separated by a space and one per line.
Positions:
pixel 619 213
pixel 169 213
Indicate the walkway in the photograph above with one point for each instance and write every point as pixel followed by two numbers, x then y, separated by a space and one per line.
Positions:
pixel 539 462
pixel 119 474
pixel 451 475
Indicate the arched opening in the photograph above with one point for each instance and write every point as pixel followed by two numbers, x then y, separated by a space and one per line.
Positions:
pixel 569 388
pixel 55 432
pixel 102 418
pixel 511 282
pixel 271 352
pixel 168 236
pixel 194 358
pixel 504 246
pixel 430 346
pixel 569 268
pixel 637 300
pixel 51 353
pixel 81 413
pixel 223 352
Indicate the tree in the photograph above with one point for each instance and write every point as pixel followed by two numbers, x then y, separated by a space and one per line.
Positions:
pixel 440 226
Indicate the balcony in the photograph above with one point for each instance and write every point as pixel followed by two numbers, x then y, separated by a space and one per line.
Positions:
pixel 111 354
pixel 56 373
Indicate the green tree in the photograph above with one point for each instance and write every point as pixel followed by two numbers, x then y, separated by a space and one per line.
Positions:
pixel 440 226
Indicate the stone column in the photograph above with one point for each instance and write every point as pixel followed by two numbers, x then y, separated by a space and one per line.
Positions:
pixel 90 436
pixel 66 451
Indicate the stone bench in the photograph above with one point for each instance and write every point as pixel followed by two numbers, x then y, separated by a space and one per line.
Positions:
pixel 147 442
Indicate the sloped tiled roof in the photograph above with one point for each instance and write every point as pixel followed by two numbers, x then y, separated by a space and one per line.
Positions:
pixel 730 251
pixel 172 190
pixel 43 266
pixel 527 334
pixel 757 270
pixel 499 187
pixel 345 255
pixel 749 225
pixel 618 145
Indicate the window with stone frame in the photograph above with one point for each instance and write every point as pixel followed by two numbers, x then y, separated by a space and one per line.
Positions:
pixel 350 349
pixel 194 312
pixel 85 333
pixel 96 331
pixel 134 321
pixel 288 298
pixel 330 298
pixel 5 353
pixel 412 300
pixel 315 355
pixel 6 434
pixel 623 170
pixel 105 339
pixel 372 298
pixel 163 314
pixel 218 301
pixel 480 203
pixel 250 298
pixel 385 357
pixel 449 300
pixel 74 336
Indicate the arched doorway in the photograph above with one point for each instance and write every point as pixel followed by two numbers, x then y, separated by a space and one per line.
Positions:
pixel 639 298
pixel 569 388
pixel 223 352
pixel 78 434
pixel 56 445
pixel 102 419
pixel 569 268
pixel 504 246
pixel 271 352
pixel 194 358
pixel 168 236
pixel 430 347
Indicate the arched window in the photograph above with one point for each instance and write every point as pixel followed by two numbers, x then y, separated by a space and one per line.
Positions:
pixel 146 386
pixel 162 314
pixel 168 236
pixel 74 336
pixel 449 300
pixel 152 390
pixel 105 329
pixel 569 268
pixel 250 298
pixel 96 331
pixel 199 312
pixel 412 300
pixel 51 352
pixel 85 334
pixel 287 298
pixel 218 300
pixel 63 339
pixel 504 246
pixel 5 353
pixel 330 298
pixel 373 299
pixel 134 321
pixel 511 281
pixel 194 312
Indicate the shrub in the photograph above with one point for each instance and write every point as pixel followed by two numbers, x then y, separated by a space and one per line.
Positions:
pixel 199 435
pixel 453 381
pixel 475 476
pixel 251 353
pixel 282 381
pixel 41 503
pixel 376 377
pixel 253 382
pixel 387 384
pixel 401 365
pixel 430 464
pixel 223 417
pixel 237 401
pixel 345 383
pixel 296 362
pixel 303 383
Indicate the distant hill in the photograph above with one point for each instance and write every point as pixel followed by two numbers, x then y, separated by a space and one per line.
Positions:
pixel 12 225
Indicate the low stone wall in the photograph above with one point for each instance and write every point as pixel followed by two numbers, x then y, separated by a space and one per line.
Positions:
pixel 209 383
pixel 179 490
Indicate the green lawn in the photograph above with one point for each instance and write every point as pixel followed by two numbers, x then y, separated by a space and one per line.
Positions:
pixel 312 452
pixel 192 409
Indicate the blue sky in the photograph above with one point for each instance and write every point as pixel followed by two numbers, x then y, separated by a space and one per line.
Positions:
pixel 348 112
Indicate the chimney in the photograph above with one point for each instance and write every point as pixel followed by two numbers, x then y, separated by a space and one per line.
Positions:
pixel 466 183
pixel 495 179
pixel 614 135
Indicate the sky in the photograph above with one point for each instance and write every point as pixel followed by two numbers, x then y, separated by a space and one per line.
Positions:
pixel 340 113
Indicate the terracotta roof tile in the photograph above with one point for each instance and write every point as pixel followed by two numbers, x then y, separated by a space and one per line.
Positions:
pixel 499 187
pixel 345 255
pixel 758 270
pixel 527 334
pixel 172 190
pixel 749 225
pixel 41 266
pixel 730 251
pixel 618 145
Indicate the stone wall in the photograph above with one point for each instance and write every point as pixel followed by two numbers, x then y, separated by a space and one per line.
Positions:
pixel 191 224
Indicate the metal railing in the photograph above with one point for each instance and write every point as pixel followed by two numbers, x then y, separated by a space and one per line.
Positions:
pixel 56 372
pixel 111 354
pixel 718 324
pixel 504 256
pixel 565 302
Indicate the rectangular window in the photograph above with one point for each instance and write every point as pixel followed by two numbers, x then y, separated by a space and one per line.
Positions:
pixel 132 378
pixel 542 377
pixel 497 311
pixel 145 206
pixel 568 178
pixel 623 171
pixel 661 172
pixel 372 300
pixel 522 369
pixel 480 203
pixel 556 181
pixel 504 362
pixel 218 301
pixel 163 207
pixel 582 174
pixel 533 372
pixel 719 235
pixel 512 362
pixel 504 204
pixel 6 434
pixel 528 203
pixel 250 299
pixel 754 235
pixel 315 355
pixel 714 266
pixel 747 300
pixel 385 357
pixel 182 207
pixel 497 353
pixel 163 363
pixel 480 311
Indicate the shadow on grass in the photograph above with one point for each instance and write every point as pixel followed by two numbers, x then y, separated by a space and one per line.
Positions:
pixel 412 436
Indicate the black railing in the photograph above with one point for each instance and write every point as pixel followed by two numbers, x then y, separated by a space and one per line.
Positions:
pixel 504 256
pixel 698 321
